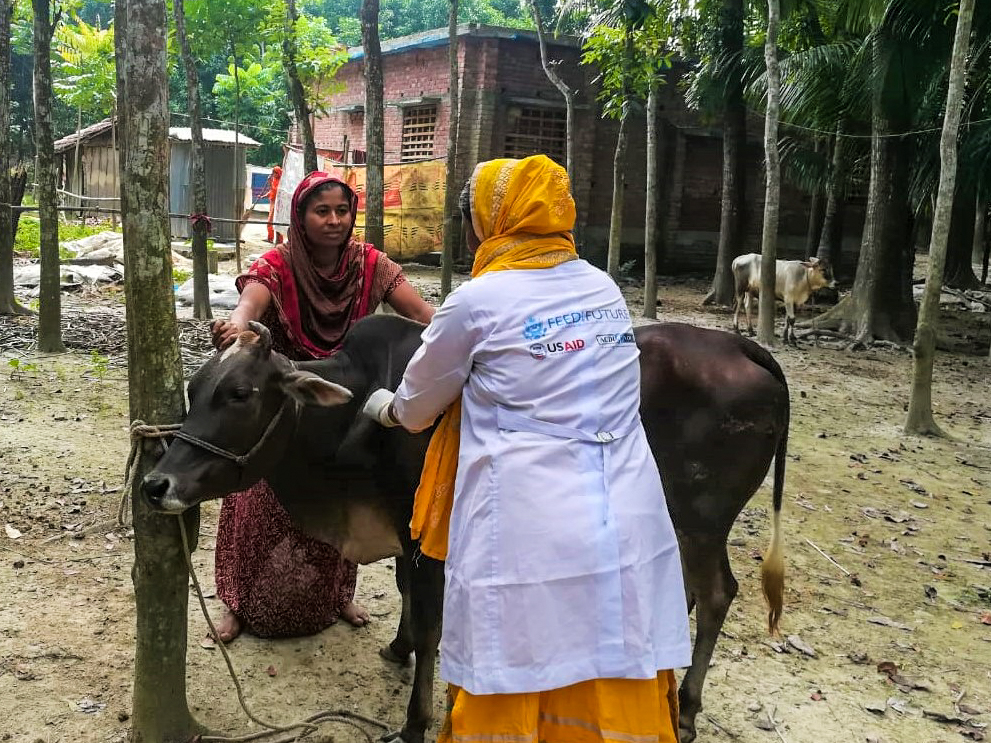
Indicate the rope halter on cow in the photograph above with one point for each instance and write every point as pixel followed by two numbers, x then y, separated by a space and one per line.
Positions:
pixel 239 459
pixel 141 430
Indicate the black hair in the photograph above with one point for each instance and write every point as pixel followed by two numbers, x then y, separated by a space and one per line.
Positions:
pixel 348 194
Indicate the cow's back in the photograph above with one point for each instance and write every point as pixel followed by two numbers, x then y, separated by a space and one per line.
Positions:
pixel 715 406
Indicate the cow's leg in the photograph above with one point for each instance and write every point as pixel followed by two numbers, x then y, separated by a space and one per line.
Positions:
pixel 426 603
pixel 736 312
pixel 746 306
pixel 711 583
pixel 789 336
pixel 399 650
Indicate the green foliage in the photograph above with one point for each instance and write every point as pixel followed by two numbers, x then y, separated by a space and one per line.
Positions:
pixel 99 364
pixel 403 17
pixel 263 101
pixel 28 239
pixel 319 57
pixel 629 42
pixel 604 48
pixel 19 367
pixel 179 276
pixel 83 70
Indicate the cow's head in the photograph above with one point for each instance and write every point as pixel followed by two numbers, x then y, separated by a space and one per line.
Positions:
pixel 819 272
pixel 243 407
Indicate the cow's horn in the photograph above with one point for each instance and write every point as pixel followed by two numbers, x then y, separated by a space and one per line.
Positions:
pixel 264 338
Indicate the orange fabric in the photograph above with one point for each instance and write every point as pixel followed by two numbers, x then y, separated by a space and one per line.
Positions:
pixel 523 213
pixel 596 711
pixel 274 179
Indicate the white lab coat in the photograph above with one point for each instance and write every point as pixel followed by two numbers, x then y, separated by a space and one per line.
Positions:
pixel 563 565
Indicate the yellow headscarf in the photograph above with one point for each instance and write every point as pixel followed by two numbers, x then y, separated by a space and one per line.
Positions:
pixel 523 213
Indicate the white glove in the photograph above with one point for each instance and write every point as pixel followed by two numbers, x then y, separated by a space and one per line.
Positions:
pixel 378 407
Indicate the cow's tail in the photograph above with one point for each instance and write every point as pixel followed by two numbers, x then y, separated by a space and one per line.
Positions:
pixel 772 572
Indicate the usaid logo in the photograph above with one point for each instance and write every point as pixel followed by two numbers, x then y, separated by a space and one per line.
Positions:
pixel 543 350
pixel 534 329
pixel 614 339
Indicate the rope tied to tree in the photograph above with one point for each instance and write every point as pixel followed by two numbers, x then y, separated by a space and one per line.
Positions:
pixel 139 431
pixel 201 218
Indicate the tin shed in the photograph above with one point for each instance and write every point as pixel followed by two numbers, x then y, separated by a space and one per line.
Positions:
pixel 97 176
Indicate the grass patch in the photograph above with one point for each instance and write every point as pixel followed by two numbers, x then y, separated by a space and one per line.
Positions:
pixel 28 240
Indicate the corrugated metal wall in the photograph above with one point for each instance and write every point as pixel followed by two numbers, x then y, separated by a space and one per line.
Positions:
pixel 219 198
pixel 101 174
pixel 99 178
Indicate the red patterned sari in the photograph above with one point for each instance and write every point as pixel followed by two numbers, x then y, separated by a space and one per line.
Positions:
pixel 278 581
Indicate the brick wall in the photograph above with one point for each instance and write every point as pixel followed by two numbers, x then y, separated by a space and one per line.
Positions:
pixel 420 73
pixel 500 73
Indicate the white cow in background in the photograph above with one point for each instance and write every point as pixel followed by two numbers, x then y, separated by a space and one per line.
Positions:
pixel 794 282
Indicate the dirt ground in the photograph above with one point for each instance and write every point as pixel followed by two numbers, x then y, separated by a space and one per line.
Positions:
pixel 906 523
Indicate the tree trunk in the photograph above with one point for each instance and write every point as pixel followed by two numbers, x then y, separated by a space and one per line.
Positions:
pixel 830 247
pixel 76 171
pixel 619 165
pixel 959 271
pixel 374 126
pixel 160 711
pixel 237 178
pixel 880 306
pixel 563 87
pixel 772 190
pixel 650 230
pixel 201 267
pixel 113 149
pixel 8 305
pixel 50 298
pixel 616 215
pixel 296 92
pixel 813 231
pixel 18 185
pixel 980 235
pixel 732 210
pixel 920 417
pixel 982 238
pixel 452 188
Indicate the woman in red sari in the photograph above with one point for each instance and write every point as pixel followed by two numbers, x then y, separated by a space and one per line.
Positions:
pixel 274 580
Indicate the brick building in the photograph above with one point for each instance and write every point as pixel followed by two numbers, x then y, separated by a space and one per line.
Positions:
pixel 509 108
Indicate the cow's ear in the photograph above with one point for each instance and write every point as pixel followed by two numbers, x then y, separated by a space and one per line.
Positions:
pixel 309 389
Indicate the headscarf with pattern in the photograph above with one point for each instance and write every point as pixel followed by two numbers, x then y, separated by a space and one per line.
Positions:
pixel 523 213
pixel 317 306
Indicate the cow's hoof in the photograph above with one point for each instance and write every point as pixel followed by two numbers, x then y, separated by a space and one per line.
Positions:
pixel 392 656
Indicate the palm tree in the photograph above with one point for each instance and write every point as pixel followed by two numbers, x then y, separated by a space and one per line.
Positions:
pixel 717 86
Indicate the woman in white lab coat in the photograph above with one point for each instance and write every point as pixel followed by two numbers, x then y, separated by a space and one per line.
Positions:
pixel 564 606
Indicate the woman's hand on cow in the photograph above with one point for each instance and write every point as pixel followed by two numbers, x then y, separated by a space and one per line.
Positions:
pixel 225 332
pixel 379 408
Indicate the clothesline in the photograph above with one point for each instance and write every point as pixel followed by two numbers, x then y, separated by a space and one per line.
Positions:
pixel 104 210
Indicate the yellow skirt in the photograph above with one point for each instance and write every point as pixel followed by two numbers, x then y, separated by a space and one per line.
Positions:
pixel 597 711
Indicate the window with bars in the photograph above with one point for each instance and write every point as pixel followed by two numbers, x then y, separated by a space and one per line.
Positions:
pixel 537 131
pixel 419 125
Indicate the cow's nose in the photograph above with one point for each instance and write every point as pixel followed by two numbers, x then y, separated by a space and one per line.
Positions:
pixel 155 486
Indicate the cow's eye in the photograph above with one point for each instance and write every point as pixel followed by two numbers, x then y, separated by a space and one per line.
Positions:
pixel 241 394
